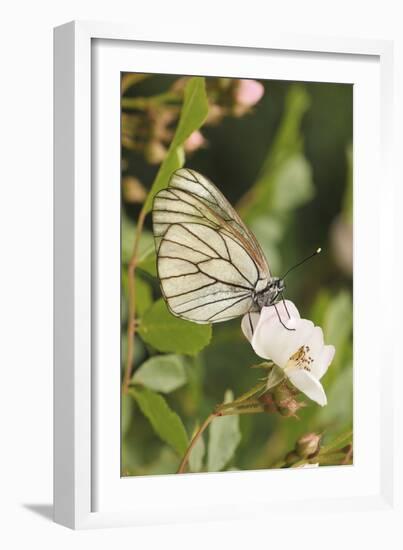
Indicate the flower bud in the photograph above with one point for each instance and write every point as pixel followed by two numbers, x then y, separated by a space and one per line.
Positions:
pixel 155 152
pixel 215 114
pixel 133 190
pixel 282 393
pixel 308 445
pixel 290 407
pixel 194 142
pixel 267 400
pixel 248 92
pixel 285 401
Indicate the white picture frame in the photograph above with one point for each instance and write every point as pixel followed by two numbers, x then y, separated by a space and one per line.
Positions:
pixel 88 490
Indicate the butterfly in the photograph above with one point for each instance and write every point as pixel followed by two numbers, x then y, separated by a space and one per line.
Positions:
pixel 210 266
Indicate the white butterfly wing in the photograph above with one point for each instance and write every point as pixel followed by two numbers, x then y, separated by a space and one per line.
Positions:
pixel 208 262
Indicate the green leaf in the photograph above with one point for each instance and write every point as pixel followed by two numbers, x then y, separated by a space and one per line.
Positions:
pixel 224 438
pixel 197 454
pixel 165 422
pixel 127 409
pixel 284 166
pixel 148 263
pixel 269 232
pixel 331 459
pixel 293 184
pixel 339 410
pixel 338 323
pixel 348 194
pixel 339 442
pixel 163 373
pixel 144 296
pixel 128 233
pixel 169 334
pixel 194 112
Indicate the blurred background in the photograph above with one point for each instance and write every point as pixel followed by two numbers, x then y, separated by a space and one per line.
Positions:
pixel 281 152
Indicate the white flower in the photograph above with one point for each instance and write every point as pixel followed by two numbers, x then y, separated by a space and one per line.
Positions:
pixel 301 352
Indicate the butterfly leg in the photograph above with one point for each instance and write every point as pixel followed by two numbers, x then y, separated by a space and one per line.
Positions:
pixel 250 323
pixel 285 305
pixel 279 318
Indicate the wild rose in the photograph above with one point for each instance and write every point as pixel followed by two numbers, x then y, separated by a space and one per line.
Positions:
pixel 298 347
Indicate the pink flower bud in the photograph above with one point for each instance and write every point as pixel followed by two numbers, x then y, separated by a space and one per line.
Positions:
pixel 194 142
pixel 248 92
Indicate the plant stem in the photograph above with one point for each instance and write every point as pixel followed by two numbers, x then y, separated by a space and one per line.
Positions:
pixel 131 323
pixel 142 103
pixel 195 439
pixel 248 408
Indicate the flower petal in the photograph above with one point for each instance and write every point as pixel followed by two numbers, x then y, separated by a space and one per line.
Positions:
pixel 249 323
pixel 273 341
pixel 270 336
pixel 322 364
pixel 307 384
pixel 284 311
pixel 315 346
pixel 301 334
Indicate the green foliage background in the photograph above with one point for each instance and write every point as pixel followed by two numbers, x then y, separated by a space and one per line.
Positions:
pixel 286 165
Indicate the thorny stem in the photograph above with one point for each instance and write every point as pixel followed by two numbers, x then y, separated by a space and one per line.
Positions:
pixel 195 439
pixel 221 410
pixel 131 323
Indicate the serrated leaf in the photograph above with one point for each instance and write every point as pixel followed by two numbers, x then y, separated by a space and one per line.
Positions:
pixel 224 438
pixel 197 455
pixel 194 112
pixel 163 373
pixel 165 422
pixel 169 334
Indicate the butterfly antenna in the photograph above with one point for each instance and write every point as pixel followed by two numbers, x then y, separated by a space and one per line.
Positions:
pixel 317 251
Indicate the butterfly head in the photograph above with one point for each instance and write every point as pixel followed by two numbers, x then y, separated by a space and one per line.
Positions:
pixel 270 294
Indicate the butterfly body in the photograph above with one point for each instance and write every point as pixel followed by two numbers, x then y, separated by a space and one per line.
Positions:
pixel 270 294
pixel 210 265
